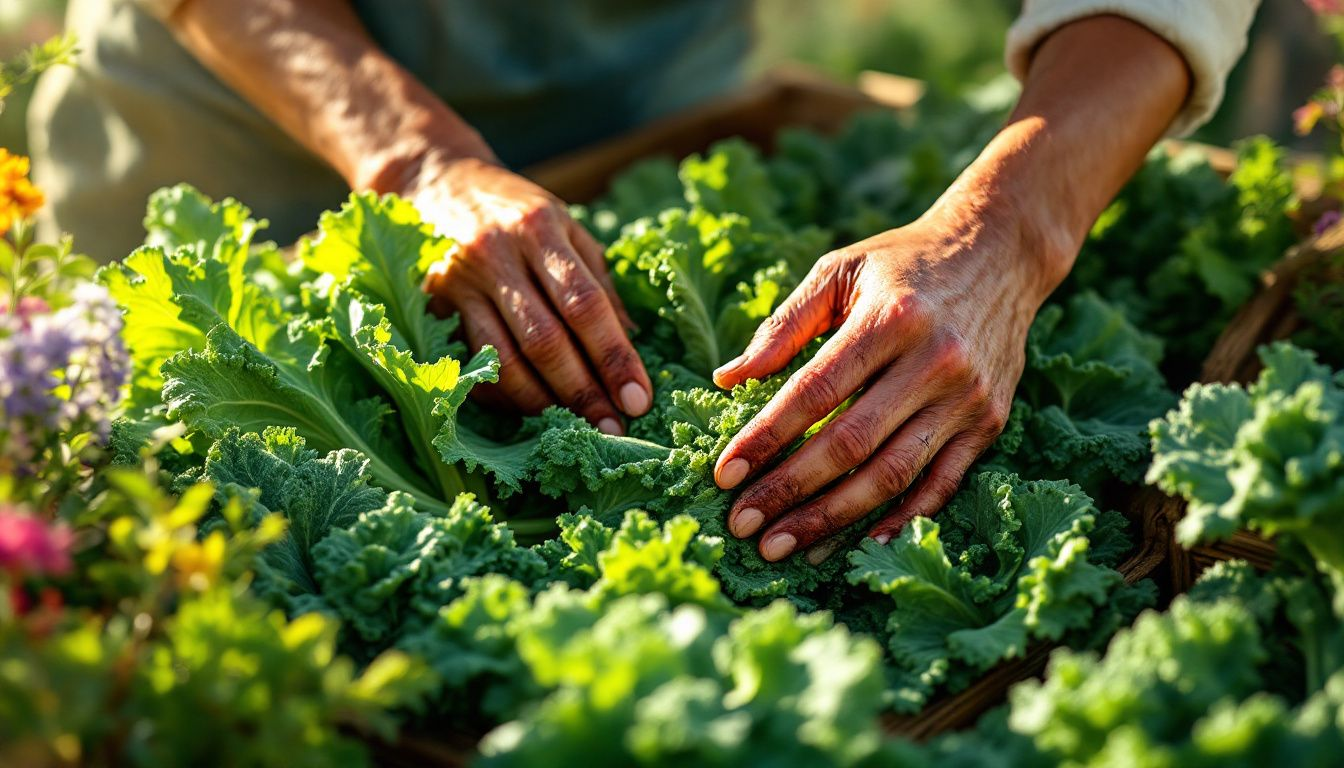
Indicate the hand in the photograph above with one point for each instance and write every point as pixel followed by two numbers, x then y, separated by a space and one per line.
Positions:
pixel 531 282
pixel 931 322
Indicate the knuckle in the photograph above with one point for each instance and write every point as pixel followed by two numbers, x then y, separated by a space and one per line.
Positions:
pixel 849 441
pixel 780 488
pixel 818 389
pixel 942 486
pixel 478 250
pixel 618 360
pixel 894 470
pixel 583 303
pixel 776 324
pixel 586 400
pixel 910 312
pixel 821 519
pixel 537 215
pixel 543 339
pixel 997 411
pixel 758 442
pixel 951 359
pixel 978 391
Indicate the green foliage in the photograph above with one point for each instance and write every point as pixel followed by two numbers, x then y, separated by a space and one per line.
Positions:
pixel 1090 387
pixel 160 638
pixel 216 341
pixel 637 682
pixel 1319 298
pixel 1180 249
pixel 1179 688
pixel 644 633
pixel 389 573
pixel 33 61
pixel 1011 567
pixel 1269 456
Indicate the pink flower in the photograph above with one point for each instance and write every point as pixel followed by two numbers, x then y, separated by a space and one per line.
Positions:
pixel 1335 77
pixel 1326 7
pixel 1306 116
pixel 31 546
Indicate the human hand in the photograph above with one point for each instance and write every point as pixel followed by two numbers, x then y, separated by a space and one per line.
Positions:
pixel 531 282
pixel 930 328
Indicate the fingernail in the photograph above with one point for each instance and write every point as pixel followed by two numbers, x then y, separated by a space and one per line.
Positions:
pixel 819 553
pixel 728 366
pixel 746 522
pixel 634 398
pixel 609 426
pixel 732 473
pixel 778 547
pixel 882 538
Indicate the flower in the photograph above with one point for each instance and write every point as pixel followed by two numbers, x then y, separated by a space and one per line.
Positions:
pixel 1326 7
pixel 29 546
pixel 1306 116
pixel 61 373
pixel 19 199
pixel 1326 221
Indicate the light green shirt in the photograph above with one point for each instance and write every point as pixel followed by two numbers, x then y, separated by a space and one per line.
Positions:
pixel 535 77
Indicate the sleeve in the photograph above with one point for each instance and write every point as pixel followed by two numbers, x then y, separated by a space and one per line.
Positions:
pixel 159 9
pixel 1210 34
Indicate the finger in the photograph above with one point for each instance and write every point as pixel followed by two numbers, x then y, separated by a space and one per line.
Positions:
pixel 935 489
pixel 587 310
pixel 595 257
pixel 807 313
pixel 518 384
pixel 889 472
pixel 842 365
pixel 542 339
pixel 839 447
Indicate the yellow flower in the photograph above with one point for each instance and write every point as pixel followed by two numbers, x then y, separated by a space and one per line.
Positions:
pixel 19 199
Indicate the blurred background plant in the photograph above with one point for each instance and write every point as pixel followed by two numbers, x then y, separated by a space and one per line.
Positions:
pixel 954 45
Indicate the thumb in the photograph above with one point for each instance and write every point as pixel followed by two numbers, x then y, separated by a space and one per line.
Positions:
pixel 807 313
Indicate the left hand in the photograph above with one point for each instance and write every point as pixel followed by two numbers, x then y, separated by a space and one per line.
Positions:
pixel 931 322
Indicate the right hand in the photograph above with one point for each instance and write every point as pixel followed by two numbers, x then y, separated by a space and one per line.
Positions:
pixel 531 282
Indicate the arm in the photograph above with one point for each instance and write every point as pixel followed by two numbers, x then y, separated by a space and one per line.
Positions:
pixel 931 319
pixel 527 279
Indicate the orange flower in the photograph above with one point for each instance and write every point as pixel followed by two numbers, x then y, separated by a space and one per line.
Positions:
pixel 19 199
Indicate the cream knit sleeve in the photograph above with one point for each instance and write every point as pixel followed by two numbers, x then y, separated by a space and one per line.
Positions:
pixel 1210 34
pixel 158 8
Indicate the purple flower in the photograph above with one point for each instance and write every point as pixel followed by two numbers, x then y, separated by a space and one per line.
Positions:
pixel 61 372
pixel 1326 221
pixel 29 546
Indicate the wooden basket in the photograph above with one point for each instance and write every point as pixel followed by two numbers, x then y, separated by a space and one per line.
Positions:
pixel 1270 315
pixel 785 98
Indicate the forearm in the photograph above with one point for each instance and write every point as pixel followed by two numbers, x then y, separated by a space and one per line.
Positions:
pixel 1099 94
pixel 310 66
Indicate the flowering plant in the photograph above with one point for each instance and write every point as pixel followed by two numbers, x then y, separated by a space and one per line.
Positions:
pixel 1325 110
pixel 62 363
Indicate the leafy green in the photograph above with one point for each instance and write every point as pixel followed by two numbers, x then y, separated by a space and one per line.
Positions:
pixel 1090 387
pixel 278 473
pixel 217 341
pixel 1180 688
pixel 637 682
pixel 1180 249
pixel 1012 567
pixel 1269 456
pixel 388 574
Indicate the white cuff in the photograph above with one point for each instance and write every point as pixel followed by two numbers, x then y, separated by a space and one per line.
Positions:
pixel 1210 34
pixel 159 9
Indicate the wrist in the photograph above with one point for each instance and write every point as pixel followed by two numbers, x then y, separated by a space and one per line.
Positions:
pixel 425 149
pixel 1012 194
